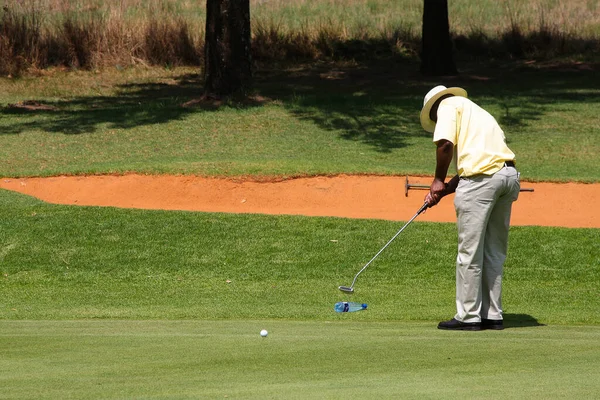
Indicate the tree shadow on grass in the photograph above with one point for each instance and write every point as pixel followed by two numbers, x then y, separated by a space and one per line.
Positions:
pixel 134 105
pixel 376 104
pixel 379 104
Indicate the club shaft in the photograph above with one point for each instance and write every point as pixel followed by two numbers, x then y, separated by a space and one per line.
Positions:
pixel 388 243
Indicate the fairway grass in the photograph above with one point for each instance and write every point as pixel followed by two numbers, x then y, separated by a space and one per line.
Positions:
pixel 319 120
pixel 69 262
pixel 335 359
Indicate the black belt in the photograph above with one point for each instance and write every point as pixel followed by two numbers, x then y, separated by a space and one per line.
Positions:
pixel 509 163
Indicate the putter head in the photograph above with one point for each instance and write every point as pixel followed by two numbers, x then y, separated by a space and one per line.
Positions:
pixel 346 289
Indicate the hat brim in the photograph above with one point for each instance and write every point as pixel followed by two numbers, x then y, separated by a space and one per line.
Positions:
pixel 426 122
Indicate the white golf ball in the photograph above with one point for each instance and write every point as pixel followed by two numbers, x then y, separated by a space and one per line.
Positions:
pixel 264 333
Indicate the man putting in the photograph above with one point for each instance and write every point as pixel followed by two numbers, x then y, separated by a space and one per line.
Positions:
pixel 486 185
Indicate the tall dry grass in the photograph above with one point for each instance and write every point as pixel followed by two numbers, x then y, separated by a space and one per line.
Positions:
pixel 94 33
pixel 39 34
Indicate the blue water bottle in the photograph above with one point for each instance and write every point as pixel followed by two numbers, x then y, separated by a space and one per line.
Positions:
pixel 349 306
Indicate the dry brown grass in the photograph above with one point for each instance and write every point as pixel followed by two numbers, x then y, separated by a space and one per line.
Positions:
pixel 36 34
pixel 90 34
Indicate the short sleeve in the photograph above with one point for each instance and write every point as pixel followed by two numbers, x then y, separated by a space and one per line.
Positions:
pixel 445 128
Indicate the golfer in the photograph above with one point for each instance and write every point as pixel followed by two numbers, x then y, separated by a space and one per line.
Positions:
pixel 486 185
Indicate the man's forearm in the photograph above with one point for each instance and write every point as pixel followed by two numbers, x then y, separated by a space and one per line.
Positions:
pixel 452 184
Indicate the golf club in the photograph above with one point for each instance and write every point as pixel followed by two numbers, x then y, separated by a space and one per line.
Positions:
pixel 350 289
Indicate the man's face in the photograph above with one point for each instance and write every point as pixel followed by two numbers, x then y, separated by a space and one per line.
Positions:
pixel 436 105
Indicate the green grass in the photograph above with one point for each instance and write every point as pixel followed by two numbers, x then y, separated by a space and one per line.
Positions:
pixel 322 120
pixel 65 262
pixel 298 360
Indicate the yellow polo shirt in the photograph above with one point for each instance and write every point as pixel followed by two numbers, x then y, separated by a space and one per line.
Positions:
pixel 479 142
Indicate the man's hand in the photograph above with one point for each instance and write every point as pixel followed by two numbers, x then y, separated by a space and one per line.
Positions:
pixel 440 189
pixel 436 192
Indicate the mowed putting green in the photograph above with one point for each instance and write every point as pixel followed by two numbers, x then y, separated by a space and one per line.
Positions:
pixel 297 360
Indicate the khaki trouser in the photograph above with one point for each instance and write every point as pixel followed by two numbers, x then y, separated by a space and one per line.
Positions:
pixel 483 205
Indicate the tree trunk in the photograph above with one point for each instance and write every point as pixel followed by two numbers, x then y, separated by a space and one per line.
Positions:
pixel 227 62
pixel 437 57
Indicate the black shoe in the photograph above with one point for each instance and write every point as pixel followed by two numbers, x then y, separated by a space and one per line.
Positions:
pixel 459 326
pixel 495 324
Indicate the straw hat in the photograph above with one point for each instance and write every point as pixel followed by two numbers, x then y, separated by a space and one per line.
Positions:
pixel 431 97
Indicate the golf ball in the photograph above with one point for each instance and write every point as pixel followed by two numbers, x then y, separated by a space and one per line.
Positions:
pixel 264 333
